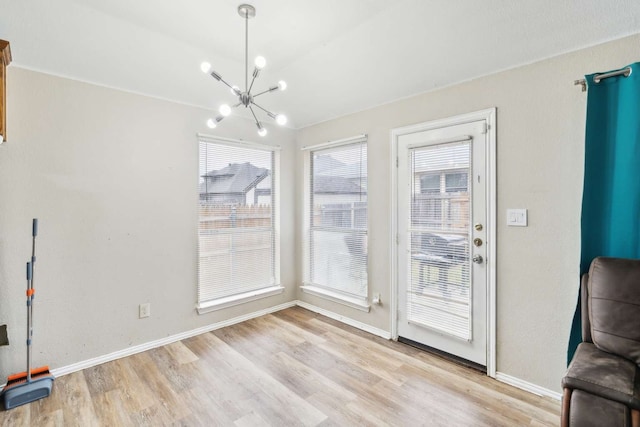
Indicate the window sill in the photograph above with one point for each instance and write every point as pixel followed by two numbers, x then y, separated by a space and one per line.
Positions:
pixel 354 302
pixel 220 303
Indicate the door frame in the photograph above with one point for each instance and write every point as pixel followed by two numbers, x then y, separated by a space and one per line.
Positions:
pixel 489 116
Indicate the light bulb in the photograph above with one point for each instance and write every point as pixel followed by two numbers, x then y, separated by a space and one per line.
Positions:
pixel 260 62
pixel 205 67
pixel 281 119
pixel 211 124
pixel 282 85
pixel 225 110
pixel 261 131
pixel 235 90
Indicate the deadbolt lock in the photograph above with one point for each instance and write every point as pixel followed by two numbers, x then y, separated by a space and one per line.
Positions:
pixel 478 227
pixel 477 242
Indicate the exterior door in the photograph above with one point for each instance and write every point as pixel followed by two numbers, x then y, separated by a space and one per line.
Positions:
pixel 442 289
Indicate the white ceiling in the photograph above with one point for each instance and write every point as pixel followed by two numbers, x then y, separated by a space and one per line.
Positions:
pixel 337 56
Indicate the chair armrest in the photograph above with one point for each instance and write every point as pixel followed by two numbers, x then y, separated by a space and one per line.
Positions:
pixel 603 374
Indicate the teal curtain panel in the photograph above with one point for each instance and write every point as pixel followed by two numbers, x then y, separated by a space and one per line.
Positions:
pixel 611 192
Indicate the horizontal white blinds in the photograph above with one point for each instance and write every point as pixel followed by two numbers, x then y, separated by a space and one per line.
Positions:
pixel 236 239
pixel 439 293
pixel 337 208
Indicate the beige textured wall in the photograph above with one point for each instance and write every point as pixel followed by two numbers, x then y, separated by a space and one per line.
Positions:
pixel 541 117
pixel 112 176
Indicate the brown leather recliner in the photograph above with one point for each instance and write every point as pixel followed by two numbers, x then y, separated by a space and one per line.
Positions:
pixel 602 383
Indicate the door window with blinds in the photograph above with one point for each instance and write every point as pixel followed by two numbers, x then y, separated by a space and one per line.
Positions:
pixel 237 241
pixel 439 294
pixel 336 219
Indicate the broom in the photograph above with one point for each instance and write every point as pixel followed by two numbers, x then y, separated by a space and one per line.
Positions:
pixel 33 384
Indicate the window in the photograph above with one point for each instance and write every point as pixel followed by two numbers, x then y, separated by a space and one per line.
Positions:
pixel 237 233
pixel 336 222
pixel 430 183
pixel 441 192
pixel 456 182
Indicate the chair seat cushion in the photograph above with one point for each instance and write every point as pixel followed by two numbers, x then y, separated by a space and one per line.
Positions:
pixel 588 410
pixel 603 374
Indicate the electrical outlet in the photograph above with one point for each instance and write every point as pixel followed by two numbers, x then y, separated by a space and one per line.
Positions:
pixel 144 310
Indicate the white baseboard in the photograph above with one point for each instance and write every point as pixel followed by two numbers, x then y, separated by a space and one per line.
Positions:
pixel 356 324
pixel 164 341
pixel 527 386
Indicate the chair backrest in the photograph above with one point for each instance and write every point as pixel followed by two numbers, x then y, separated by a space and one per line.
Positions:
pixel 613 306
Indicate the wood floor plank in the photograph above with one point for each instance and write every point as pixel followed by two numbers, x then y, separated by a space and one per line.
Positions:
pixel 252 419
pixel 205 410
pixel 281 411
pixel 110 410
pixel 279 326
pixel 434 404
pixel 474 386
pixel 301 317
pixel 180 376
pixel 259 386
pixel 305 381
pixel 218 379
pixel 77 404
pixel 154 415
pixel 20 416
pixel 335 368
pixel 50 419
pixel 101 378
pixel 181 353
pixel 281 402
pixel 337 410
pixel 164 395
pixel 284 335
pixel 260 339
pixel 374 362
pixel 375 415
pixel 135 395
pixel 290 368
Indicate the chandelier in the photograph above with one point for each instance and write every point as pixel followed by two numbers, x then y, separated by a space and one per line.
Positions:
pixel 246 98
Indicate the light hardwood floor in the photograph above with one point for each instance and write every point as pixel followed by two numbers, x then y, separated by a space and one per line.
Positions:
pixel 291 368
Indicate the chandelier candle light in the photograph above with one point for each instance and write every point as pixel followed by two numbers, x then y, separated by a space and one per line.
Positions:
pixel 246 98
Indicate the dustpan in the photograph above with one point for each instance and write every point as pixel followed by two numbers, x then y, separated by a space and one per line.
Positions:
pixel 27 391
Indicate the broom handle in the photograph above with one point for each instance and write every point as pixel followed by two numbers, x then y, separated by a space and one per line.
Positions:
pixel 34 233
pixel 30 277
pixel 29 329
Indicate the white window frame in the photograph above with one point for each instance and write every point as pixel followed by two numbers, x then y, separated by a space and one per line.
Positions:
pixel 203 307
pixel 358 303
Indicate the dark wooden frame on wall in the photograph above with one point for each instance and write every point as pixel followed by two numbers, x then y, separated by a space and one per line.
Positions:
pixel 5 60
